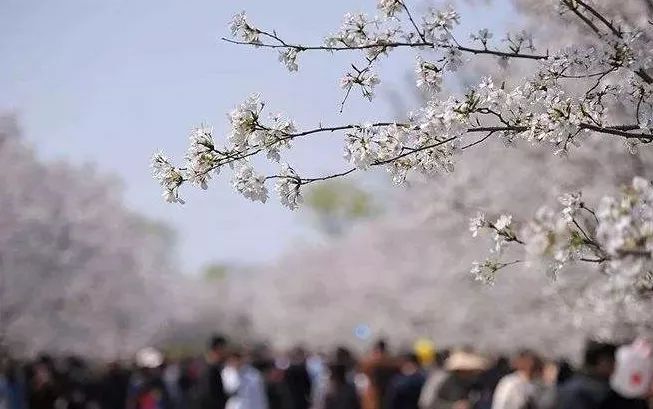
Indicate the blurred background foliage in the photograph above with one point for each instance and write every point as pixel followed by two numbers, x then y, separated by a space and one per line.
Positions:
pixel 334 205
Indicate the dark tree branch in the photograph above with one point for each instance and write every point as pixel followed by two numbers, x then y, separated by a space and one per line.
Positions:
pixel 393 44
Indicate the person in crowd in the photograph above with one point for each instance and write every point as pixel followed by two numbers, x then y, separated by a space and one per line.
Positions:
pixel 5 394
pixel 43 392
pixel 189 379
pixel 319 371
pixel 212 394
pixel 564 372
pixel 12 387
pixel 489 380
pixel 523 388
pixel 435 377
pixel 405 388
pixel 341 392
pixel 76 384
pixel 250 390
pixel 4 390
pixel 631 379
pixel 275 387
pixel 171 375
pixel 113 387
pixel 589 388
pixel 147 390
pixel 615 401
pixel 345 356
pixel 298 379
pixel 459 389
pixel 379 368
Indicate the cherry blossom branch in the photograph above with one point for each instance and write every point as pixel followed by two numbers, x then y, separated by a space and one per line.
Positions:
pixel 616 130
pixel 394 44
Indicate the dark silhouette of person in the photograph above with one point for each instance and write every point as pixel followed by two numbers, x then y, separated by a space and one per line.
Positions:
pixel 590 387
pixel 405 388
pixel 212 394
pixel 298 379
pixel 341 392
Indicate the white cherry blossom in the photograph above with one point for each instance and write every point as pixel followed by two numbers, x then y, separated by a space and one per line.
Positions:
pixel 390 7
pixel 250 184
pixel 429 76
pixel 288 58
pixel 288 187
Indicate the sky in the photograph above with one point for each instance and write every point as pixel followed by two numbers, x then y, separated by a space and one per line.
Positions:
pixel 110 82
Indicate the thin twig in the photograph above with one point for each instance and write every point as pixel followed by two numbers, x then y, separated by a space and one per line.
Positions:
pixel 410 17
pixel 478 141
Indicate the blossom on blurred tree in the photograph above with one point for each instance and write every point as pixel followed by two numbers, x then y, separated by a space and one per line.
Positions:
pixel 79 272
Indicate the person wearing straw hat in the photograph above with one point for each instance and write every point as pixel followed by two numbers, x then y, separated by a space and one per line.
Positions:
pixel 457 389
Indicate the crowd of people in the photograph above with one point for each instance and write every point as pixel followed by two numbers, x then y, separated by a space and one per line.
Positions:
pixel 231 377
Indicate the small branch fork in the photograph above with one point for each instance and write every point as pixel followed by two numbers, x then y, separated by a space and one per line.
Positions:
pixel 586 13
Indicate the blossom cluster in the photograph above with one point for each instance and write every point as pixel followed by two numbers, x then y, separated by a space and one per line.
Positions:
pixel 618 236
pixel 248 136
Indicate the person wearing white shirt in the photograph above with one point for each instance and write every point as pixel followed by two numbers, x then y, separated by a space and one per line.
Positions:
pixel 245 383
pixel 520 389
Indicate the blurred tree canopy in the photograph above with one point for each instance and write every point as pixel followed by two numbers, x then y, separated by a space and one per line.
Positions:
pixel 215 272
pixel 338 203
